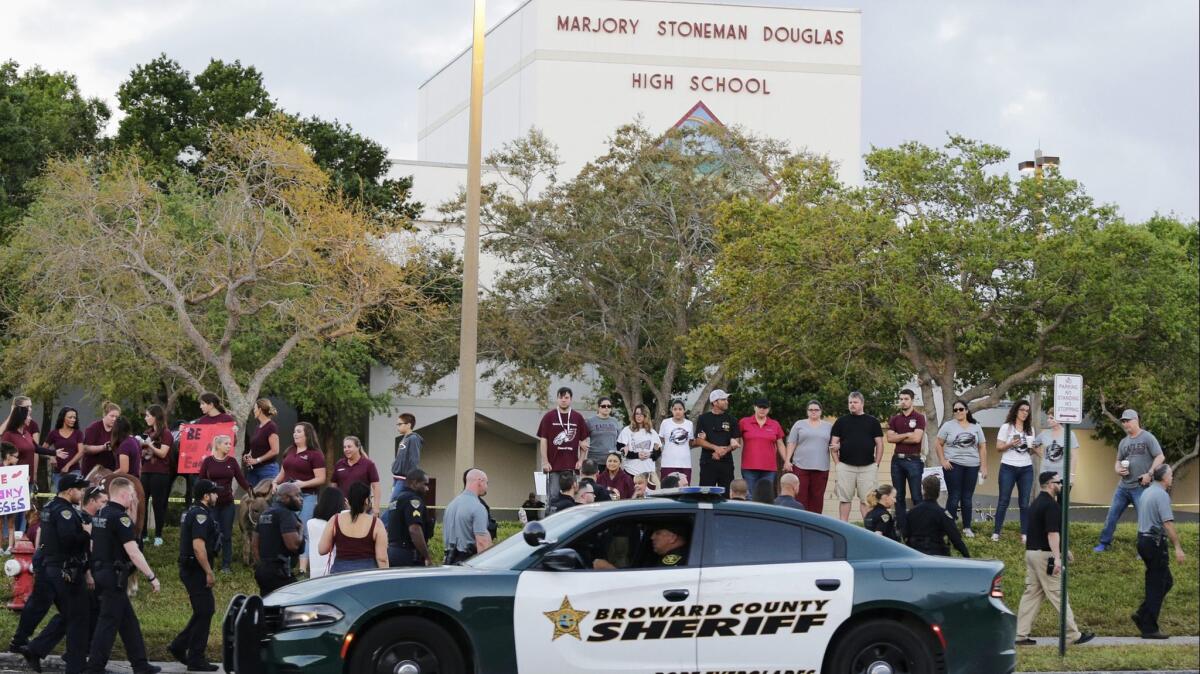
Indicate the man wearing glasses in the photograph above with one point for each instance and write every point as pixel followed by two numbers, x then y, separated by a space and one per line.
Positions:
pixel 1043 562
pixel 1137 456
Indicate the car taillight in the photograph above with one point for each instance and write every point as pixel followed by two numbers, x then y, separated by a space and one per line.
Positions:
pixel 997 590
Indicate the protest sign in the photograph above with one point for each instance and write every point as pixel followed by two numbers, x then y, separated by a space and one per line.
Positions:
pixel 14 489
pixel 195 443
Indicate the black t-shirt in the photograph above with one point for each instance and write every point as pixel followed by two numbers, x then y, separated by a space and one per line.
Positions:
pixel 719 429
pixel 857 433
pixel 273 524
pixel 407 510
pixel 63 535
pixel 198 523
pixel 112 528
pixel 1045 517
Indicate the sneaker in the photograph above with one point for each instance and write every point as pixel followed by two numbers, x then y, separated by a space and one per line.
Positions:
pixel 1154 635
pixel 157 542
pixel 1025 642
pixel 967 533
pixel 1084 638
pixel 995 538
pixel 1100 548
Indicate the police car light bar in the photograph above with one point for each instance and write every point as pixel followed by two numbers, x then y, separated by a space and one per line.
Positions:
pixel 698 493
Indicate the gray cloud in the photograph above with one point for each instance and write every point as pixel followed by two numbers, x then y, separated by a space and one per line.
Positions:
pixel 1110 86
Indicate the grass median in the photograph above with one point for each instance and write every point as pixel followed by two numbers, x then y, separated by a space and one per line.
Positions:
pixel 1105 589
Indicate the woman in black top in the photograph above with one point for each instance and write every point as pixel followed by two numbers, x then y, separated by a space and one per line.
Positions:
pixel 880 518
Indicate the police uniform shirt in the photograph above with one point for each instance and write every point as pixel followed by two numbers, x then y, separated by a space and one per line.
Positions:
pixel 197 523
pixel 929 525
pixel 880 520
pixel 112 528
pixel 63 535
pixel 676 557
pixel 1153 509
pixel 274 523
pixel 408 509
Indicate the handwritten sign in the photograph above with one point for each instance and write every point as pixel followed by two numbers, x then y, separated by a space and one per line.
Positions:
pixel 195 443
pixel 14 489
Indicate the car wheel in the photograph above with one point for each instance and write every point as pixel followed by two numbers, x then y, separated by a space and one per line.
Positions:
pixel 406 645
pixel 883 647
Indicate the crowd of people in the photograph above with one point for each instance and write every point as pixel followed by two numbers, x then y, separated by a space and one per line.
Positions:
pixel 89 537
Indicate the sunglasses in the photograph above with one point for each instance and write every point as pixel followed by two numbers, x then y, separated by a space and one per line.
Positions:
pixel 606 407
pixel 1056 481
pixel 960 409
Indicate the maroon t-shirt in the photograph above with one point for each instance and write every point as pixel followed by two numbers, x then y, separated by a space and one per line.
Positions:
pixel 345 475
pixel 151 463
pixel 301 466
pixel 223 418
pixel 32 428
pixel 623 482
pixel 907 424
pixel 260 443
pixel 563 433
pixel 96 435
pixel 132 448
pixel 223 472
pixel 26 450
pixel 70 443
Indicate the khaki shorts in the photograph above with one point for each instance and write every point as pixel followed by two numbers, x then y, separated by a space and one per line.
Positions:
pixel 855 479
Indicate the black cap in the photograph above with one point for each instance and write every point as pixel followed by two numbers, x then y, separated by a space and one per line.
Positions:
pixel 203 487
pixel 72 481
pixel 763 403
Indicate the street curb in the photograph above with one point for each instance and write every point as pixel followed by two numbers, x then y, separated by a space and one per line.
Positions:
pixel 1124 671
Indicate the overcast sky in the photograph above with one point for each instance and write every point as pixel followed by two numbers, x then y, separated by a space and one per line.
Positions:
pixel 1110 86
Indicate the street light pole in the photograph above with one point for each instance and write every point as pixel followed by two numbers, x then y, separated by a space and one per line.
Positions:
pixel 464 446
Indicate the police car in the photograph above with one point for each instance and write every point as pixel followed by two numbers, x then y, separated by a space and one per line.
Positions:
pixel 685 582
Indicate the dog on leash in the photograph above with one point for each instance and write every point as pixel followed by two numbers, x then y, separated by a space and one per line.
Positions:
pixel 253 505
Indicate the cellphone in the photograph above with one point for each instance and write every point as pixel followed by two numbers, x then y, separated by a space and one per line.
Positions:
pixel 1050 566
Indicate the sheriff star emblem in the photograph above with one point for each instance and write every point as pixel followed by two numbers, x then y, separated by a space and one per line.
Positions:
pixel 566 620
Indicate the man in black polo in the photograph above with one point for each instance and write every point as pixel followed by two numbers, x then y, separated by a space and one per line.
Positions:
pixel 411 526
pixel 1043 562
pixel 717 436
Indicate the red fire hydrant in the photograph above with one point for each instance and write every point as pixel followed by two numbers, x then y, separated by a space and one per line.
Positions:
pixel 19 567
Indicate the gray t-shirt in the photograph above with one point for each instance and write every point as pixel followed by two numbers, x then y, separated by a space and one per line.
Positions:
pixel 1154 508
pixel 961 444
pixel 408 454
pixel 1053 450
pixel 602 438
pixel 812 444
pixel 465 517
pixel 1140 452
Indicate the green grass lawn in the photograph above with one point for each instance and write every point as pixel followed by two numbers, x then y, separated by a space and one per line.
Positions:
pixel 1107 658
pixel 1105 589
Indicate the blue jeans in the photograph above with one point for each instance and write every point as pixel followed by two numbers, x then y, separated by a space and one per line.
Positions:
pixel 225 516
pixel 906 476
pixel 1022 477
pixel 1123 497
pixel 960 491
pixel 307 505
pixel 263 471
pixel 346 566
pixel 753 477
pixel 397 487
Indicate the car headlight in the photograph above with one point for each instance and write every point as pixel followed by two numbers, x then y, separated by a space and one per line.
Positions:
pixel 309 615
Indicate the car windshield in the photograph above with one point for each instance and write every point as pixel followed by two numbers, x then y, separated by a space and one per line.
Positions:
pixel 513 549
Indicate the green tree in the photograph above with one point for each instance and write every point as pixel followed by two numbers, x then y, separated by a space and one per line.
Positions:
pixel 610 270
pixel 214 280
pixel 42 115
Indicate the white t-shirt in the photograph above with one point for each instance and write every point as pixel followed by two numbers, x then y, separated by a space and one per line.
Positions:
pixel 641 441
pixel 676 442
pixel 318 564
pixel 1015 456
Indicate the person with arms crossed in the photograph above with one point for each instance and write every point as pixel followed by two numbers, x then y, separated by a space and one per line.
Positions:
pixel 603 429
pixel 906 430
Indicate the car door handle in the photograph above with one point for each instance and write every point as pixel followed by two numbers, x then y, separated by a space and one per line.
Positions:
pixel 675 595
pixel 829 584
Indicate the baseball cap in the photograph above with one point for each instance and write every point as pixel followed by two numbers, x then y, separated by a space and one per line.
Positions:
pixel 203 487
pixel 1129 414
pixel 72 481
pixel 716 395
pixel 762 402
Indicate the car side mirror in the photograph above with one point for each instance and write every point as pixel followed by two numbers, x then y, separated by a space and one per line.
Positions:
pixel 534 533
pixel 562 559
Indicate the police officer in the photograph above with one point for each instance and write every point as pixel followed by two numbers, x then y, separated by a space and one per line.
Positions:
pixel 465 531
pixel 279 539
pixel 410 526
pixel 199 544
pixel 929 524
pixel 879 518
pixel 94 498
pixel 115 555
pixel 64 547
pixel 670 546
